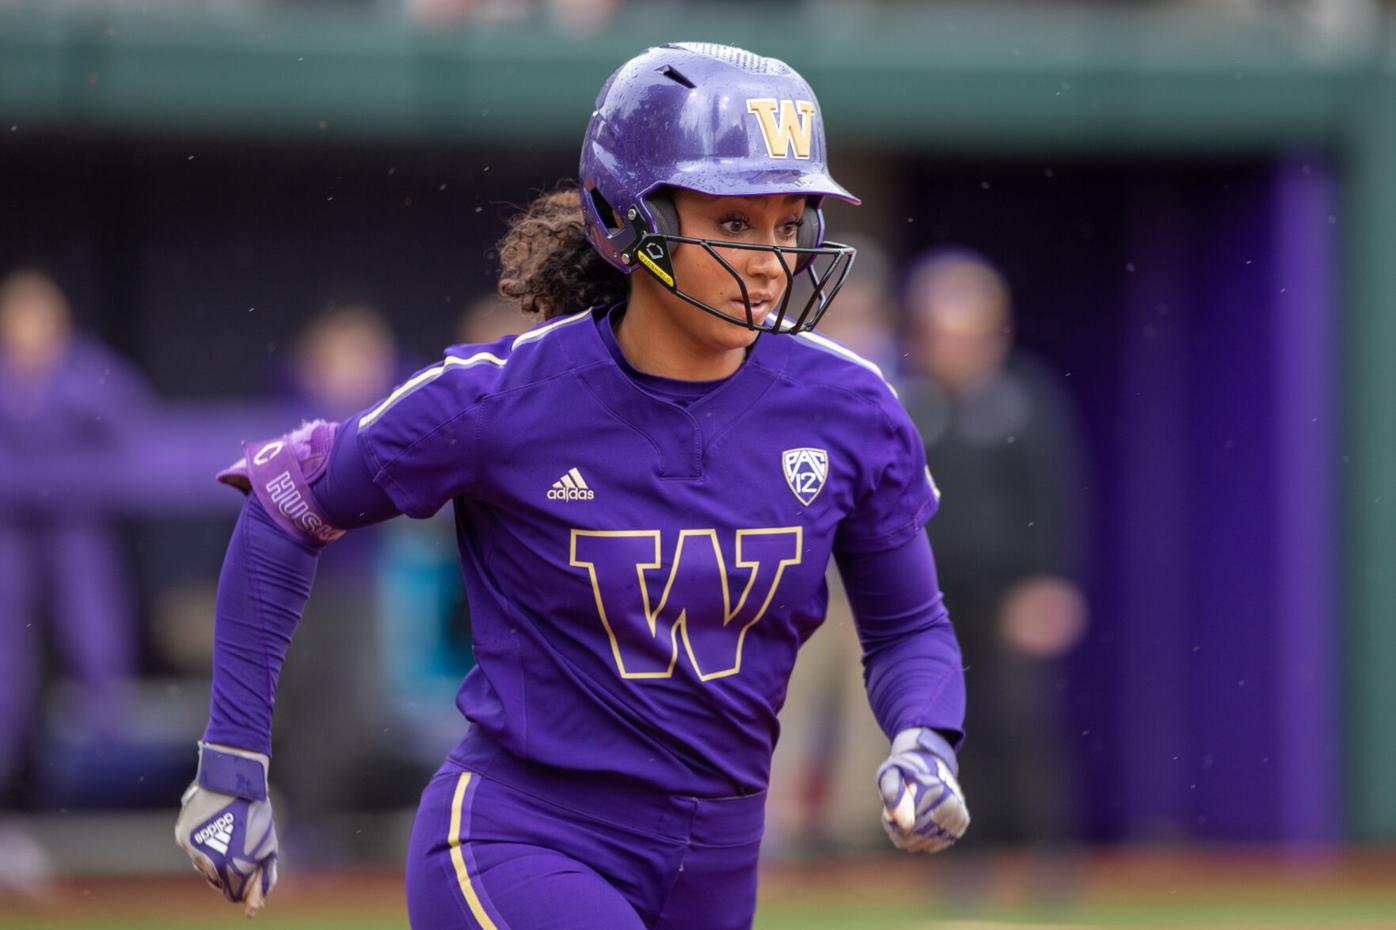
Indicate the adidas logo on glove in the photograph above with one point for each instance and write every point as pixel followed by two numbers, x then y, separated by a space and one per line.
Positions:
pixel 218 834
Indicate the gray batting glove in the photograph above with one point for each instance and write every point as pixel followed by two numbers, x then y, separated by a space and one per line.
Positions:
pixel 226 825
pixel 923 807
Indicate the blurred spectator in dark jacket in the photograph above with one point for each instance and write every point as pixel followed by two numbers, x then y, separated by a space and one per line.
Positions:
pixel 67 405
pixel 1002 442
pixel 822 799
pixel 346 748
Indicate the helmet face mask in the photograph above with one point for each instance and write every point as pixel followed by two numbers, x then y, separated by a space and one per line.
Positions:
pixel 723 122
pixel 826 267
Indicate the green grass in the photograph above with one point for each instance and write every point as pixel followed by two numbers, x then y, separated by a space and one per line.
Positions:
pixel 1241 915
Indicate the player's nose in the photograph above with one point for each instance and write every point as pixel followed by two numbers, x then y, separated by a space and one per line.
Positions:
pixel 766 263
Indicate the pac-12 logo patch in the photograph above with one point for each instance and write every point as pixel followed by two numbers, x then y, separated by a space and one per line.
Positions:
pixel 805 472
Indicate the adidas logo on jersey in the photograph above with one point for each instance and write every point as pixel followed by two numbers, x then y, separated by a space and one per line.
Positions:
pixel 571 487
pixel 217 835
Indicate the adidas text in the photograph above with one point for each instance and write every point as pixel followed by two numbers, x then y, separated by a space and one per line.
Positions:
pixel 571 487
pixel 217 834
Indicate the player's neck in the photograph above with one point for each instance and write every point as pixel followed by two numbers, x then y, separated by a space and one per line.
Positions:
pixel 654 341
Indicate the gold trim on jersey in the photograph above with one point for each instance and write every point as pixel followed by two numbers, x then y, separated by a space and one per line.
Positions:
pixel 454 361
pixel 829 345
pixel 644 594
pixel 680 625
pixel 935 488
pixel 467 887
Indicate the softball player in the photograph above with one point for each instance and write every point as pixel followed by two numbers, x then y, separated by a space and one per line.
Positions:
pixel 647 489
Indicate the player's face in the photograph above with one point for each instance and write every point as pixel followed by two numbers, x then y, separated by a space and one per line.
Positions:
pixel 772 220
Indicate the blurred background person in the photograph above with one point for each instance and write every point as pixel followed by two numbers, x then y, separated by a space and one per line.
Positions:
pixel 423 616
pixel 490 318
pixel 68 409
pixel 348 755
pixel 868 322
pixel 821 799
pixel 1002 442
pixel 345 358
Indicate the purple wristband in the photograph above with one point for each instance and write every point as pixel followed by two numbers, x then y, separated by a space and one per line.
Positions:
pixel 229 773
pixel 280 472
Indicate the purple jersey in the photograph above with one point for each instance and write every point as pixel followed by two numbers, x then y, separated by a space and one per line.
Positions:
pixel 641 574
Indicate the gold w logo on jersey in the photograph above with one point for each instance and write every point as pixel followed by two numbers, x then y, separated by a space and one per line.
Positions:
pixel 791 130
pixel 696 605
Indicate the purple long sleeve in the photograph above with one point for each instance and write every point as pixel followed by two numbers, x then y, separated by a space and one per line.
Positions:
pixel 911 659
pixel 263 589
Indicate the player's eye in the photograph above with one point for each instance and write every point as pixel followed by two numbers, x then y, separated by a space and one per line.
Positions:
pixel 733 225
pixel 790 229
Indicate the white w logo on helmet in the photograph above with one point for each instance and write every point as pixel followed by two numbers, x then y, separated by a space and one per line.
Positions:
pixel 792 130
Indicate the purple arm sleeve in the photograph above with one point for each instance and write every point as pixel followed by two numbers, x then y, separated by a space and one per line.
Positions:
pixel 911 659
pixel 346 490
pixel 263 589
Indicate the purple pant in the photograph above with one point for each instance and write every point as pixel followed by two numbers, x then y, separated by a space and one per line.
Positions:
pixel 502 844
pixel 73 566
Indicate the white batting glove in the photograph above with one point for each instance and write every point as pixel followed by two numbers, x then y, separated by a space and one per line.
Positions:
pixel 923 807
pixel 226 825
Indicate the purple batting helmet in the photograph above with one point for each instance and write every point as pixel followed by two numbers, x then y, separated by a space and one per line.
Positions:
pixel 721 121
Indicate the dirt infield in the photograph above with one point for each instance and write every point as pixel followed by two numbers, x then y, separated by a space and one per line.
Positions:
pixel 1139 891
pixel 368 897
pixel 1101 876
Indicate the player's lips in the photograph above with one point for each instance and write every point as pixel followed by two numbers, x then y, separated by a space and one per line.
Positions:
pixel 760 305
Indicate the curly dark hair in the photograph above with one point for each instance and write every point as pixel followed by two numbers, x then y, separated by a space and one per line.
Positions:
pixel 546 264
